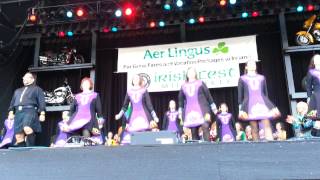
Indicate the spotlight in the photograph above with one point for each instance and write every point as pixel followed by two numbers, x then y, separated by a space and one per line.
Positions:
pixel 33 18
pixel 70 33
pixel 255 13
pixel 191 21
pixel 128 11
pixel 152 24
pixel 118 13
pixel 223 2
pixel 244 15
pixel 310 7
pixel 80 12
pixel 105 30
pixel 201 19
pixel 114 29
pixel 300 8
pixel 233 2
pixel 69 14
pixel 167 7
pixel 179 3
pixel 61 34
pixel 162 23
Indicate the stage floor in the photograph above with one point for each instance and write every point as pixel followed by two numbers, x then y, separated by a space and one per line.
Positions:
pixel 239 160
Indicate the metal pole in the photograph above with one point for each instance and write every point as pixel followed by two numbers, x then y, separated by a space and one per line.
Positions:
pixel 183 32
pixel 287 61
pixel 14 1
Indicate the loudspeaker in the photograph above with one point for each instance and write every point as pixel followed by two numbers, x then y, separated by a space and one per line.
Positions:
pixel 149 138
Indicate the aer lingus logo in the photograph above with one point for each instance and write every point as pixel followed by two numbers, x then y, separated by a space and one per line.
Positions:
pixel 221 48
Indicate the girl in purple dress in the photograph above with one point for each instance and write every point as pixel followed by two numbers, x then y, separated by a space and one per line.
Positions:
pixel 8 134
pixel 143 116
pixel 226 125
pixel 254 104
pixel 171 121
pixel 313 85
pixel 313 92
pixel 86 112
pixel 195 105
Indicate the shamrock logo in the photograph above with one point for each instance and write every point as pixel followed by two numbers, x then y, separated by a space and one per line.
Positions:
pixel 221 48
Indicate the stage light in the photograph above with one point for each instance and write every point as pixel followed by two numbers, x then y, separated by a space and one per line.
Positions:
pixel 114 29
pixel 255 13
pixel 152 24
pixel 244 15
pixel 80 12
pixel 310 7
pixel 167 7
pixel 118 13
pixel 201 19
pixel 191 21
pixel 233 2
pixel 105 30
pixel 179 3
pixel 223 2
pixel 69 14
pixel 300 8
pixel 162 23
pixel 70 33
pixel 61 34
pixel 128 11
pixel 33 18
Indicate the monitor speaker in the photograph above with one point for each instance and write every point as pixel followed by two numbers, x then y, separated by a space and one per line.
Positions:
pixel 149 138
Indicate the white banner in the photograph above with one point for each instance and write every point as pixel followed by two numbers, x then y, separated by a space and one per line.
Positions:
pixel 220 75
pixel 164 66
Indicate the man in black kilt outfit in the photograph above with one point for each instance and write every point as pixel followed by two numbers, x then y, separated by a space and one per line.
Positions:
pixel 27 108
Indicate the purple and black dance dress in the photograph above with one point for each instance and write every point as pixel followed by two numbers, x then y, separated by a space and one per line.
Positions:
pixel 196 103
pixel 8 134
pixel 85 110
pixel 171 122
pixel 226 127
pixel 141 115
pixel 253 98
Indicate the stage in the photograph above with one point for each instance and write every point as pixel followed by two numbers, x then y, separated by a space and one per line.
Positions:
pixel 240 160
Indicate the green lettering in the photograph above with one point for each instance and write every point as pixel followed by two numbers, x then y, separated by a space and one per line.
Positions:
pixel 211 74
pixel 147 54
pixel 156 54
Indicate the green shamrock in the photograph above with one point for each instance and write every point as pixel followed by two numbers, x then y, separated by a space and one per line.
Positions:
pixel 221 48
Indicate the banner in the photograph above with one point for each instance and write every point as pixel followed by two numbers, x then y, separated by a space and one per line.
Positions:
pixel 164 66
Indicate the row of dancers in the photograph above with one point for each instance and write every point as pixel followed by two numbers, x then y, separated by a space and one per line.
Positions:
pixel 196 109
pixel 227 131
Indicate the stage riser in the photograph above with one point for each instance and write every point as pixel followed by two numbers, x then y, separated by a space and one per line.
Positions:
pixel 277 160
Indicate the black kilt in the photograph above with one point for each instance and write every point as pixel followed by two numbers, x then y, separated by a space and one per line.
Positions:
pixel 26 117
